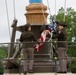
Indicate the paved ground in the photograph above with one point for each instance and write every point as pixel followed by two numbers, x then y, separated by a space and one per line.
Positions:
pixel 44 74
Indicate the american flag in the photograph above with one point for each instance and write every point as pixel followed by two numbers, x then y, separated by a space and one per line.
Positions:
pixel 41 40
pixel 52 27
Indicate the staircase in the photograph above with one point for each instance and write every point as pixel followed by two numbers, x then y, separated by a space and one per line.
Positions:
pixel 43 63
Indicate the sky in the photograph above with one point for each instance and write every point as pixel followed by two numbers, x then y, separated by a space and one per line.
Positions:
pixel 20 6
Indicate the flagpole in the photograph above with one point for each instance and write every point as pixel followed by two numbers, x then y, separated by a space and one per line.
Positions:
pixel 55 9
pixel 64 10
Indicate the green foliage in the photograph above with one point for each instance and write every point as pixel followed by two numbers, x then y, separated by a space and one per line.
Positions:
pixel 73 66
pixel 72 51
pixel 2 56
pixel 1 68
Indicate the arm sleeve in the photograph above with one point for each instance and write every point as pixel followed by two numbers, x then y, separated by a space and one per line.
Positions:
pixel 21 40
pixel 55 36
pixel 65 35
pixel 34 38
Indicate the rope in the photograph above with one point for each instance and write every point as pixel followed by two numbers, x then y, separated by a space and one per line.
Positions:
pixel 7 17
pixel 51 51
pixel 43 14
pixel 14 9
pixel 50 40
pixel 49 7
pixel 64 10
pixel 51 18
pixel 55 9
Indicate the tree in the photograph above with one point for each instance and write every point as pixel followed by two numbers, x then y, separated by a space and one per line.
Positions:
pixel 3 54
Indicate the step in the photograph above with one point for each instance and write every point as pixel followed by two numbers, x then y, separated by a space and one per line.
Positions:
pixel 11 71
pixel 44 66
pixel 48 73
pixel 41 55
pixel 41 69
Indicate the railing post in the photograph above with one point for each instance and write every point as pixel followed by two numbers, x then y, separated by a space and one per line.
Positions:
pixel 55 65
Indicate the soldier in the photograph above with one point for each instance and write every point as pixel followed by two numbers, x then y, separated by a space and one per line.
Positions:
pixel 62 47
pixel 28 51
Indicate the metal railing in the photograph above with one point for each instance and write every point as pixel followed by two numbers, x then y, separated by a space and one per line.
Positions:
pixel 55 59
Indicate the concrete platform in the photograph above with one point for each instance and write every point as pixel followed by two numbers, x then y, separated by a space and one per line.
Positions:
pixel 44 74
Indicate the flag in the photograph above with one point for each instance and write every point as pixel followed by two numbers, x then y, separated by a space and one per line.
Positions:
pixel 41 40
pixel 52 27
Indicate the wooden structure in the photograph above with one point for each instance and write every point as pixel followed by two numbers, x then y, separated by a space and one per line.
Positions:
pixel 36 14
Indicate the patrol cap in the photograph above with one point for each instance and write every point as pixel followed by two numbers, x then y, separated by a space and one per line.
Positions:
pixel 27 26
pixel 62 24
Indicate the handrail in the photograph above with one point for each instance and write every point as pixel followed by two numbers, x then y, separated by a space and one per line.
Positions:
pixel 37 42
pixel 72 58
pixel 55 59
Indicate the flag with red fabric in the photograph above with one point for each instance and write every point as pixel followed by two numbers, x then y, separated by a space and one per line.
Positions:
pixel 41 40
